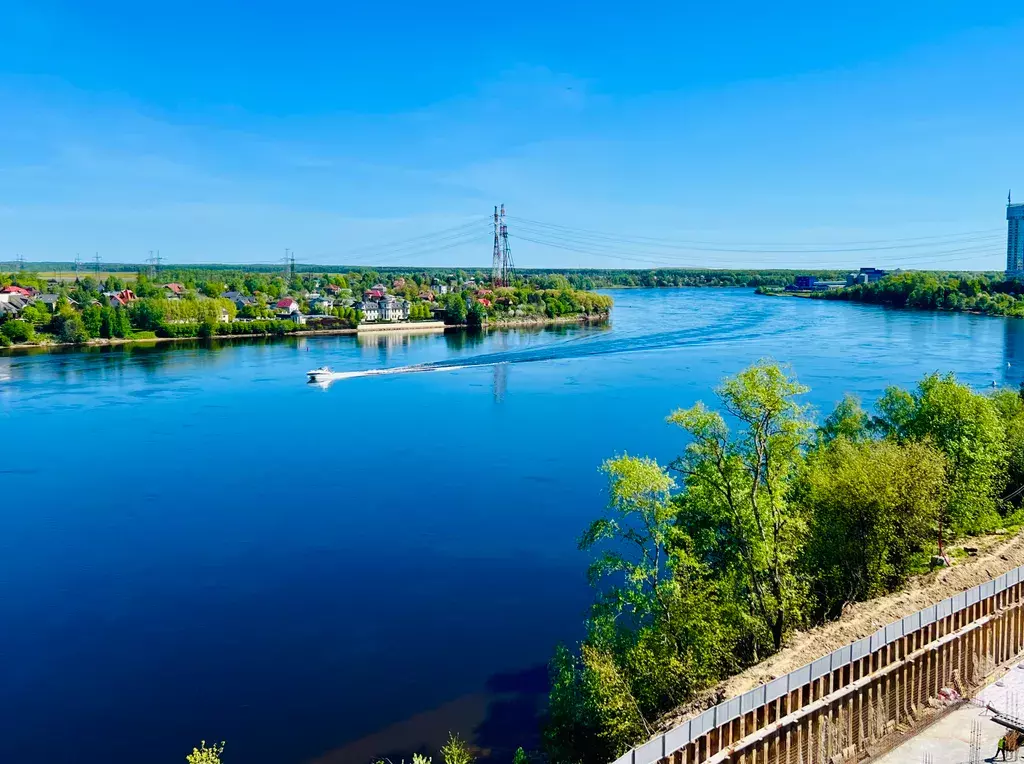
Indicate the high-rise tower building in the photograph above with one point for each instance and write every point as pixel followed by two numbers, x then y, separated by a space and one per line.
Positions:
pixel 1014 240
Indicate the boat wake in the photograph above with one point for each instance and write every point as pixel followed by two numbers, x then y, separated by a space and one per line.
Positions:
pixel 586 347
pixel 325 379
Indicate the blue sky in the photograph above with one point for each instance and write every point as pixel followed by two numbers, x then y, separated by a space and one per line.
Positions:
pixel 227 132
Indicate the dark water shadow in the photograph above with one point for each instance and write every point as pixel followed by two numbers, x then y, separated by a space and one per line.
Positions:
pixel 505 715
pixel 514 713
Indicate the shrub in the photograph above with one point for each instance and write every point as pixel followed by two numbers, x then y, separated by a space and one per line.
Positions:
pixel 178 330
pixel 456 751
pixel 18 331
pixel 204 755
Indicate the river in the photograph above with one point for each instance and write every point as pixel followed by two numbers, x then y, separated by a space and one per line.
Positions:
pixel 198 544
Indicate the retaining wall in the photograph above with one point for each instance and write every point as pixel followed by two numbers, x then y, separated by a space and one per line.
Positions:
pixel 838 706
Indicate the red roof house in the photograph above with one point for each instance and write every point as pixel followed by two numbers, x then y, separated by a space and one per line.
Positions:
pixel 122 298
pixel 287 304
pixel 175 287
pixel 12 289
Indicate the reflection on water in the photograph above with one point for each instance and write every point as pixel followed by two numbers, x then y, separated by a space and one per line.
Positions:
pixel 1013 352
pixel 500 381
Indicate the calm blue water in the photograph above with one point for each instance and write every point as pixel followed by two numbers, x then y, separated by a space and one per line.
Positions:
pixel 197 544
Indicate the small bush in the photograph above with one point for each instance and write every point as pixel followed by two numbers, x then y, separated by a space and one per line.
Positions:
pixel 178 330
pixel 18 331
pixel 204 755
pixel 456 751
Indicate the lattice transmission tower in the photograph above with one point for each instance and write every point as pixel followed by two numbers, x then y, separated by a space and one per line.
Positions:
pixel 503 272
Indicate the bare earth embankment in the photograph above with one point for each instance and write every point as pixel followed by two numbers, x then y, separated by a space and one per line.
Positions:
pixel 996 555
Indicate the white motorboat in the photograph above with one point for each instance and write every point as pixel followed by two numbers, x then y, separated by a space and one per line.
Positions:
pixel 323 374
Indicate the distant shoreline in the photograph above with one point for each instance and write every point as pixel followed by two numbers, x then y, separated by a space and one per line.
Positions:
pixel 424 326
pixel 913 309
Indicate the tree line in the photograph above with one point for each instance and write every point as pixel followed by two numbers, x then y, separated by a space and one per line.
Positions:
pixel 765 523
pixel 993 295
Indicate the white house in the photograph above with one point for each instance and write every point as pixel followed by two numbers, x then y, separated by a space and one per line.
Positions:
pixel 370 310
pixel 388 308
pixel 394 309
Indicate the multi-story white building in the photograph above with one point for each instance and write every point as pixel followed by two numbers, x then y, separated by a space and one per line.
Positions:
pixel 387 308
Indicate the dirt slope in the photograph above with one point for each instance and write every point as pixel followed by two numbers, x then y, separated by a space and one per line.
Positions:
pixel 996 555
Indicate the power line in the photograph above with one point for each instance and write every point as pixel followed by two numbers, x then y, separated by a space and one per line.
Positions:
pixel 662 258
pixel 580 236
pixel 724 246
pixel 405 252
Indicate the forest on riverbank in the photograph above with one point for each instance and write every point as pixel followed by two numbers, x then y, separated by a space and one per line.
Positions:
pixel 992 295
pixel 766 523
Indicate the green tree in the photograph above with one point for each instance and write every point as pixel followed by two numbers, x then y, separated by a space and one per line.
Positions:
pixel 206 755
pixel 120 323
pixel 147 315
pixel 872 507
pixel 106 322
pixel 37 314
pixel 847 420
pixel 72 330
pixel 966 427
pixel 18 331
pixel 92 317
pixel 476 315
pixel 739 486
pixel 655 634
pixel 1010 405
pixel 455 310
pixel 592 714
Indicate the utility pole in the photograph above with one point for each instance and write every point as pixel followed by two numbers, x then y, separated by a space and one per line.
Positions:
pixel 21 263
pixel 97 264
pixel 151 266
pixel 287 266
pixel 78 265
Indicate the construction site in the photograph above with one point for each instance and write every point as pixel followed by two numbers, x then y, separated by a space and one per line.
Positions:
pixel 894 680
